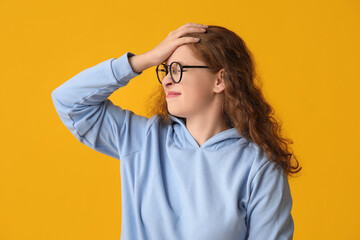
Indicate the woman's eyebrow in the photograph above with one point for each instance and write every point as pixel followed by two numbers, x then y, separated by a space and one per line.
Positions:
pixel 181 62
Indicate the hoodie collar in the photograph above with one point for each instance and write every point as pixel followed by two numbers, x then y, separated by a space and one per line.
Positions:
pixel 185 140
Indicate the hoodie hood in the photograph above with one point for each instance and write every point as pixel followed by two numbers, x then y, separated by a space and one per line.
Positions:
pixel 184 139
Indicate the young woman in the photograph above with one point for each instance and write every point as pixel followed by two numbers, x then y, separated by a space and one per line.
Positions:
pixel 209 164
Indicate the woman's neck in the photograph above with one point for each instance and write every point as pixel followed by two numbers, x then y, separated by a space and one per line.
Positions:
pixel 202 126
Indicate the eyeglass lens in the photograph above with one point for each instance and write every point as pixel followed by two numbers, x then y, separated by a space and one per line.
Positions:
pixel 175 71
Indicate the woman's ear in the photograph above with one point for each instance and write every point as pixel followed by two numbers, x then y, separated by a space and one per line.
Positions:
pixel 219 81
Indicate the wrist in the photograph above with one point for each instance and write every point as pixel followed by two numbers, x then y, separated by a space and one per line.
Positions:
pixel 140 62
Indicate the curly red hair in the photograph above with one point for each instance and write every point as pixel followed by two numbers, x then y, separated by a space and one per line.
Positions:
pixel 244 106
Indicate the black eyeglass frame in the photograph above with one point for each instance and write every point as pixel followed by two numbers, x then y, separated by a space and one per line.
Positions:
pixel 169 67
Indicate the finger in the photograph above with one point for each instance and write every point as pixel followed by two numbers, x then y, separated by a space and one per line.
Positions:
pixel 185 40
pixel 195 25
pixel 187 25
pixel 184 31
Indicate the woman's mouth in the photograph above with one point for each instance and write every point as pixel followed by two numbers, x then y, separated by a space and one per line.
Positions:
pixel 172 94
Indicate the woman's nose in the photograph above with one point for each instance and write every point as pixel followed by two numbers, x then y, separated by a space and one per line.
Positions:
pixel 167 80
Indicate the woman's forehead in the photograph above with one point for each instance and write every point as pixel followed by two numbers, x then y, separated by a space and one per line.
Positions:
pixel 183 55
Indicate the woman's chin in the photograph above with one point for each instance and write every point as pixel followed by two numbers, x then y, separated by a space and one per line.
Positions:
pixel 176 113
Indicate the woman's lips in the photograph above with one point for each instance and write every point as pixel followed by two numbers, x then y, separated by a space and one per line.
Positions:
pixel 172 94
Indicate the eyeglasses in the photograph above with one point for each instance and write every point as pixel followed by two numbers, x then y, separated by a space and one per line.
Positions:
pixel 176 71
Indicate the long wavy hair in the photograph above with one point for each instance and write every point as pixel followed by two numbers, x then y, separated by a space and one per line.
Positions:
pixel 244 106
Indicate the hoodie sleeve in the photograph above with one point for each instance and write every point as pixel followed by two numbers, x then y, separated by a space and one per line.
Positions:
pixel 269 208
pixel 83 106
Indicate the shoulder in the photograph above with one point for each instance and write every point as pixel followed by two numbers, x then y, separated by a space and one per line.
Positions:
pixel 154 123
pixel 261 165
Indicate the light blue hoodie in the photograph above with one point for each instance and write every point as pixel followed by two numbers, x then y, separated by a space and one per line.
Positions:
pixel 171 187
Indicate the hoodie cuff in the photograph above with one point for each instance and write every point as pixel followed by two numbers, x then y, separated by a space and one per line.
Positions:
pixel 122 69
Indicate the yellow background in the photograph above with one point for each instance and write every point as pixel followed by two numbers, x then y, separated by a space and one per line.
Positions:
pixel 54 187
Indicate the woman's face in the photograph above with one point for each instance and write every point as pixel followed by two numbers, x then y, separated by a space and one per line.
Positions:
pixel 195 88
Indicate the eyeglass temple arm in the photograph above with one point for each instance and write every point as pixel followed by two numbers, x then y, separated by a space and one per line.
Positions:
pixel 195 66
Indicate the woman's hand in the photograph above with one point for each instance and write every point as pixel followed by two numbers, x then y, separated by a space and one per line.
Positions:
pixel 162 51
pixel 173 40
